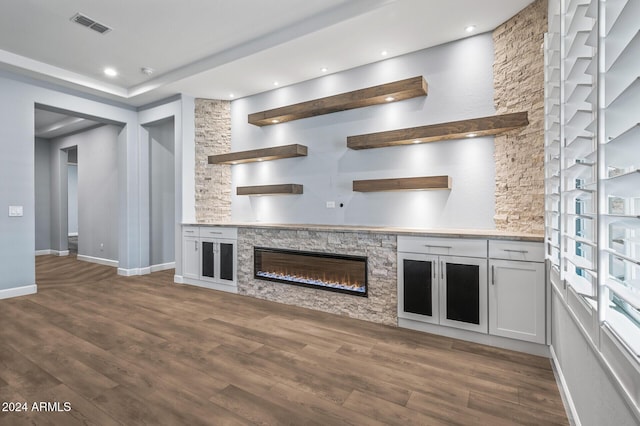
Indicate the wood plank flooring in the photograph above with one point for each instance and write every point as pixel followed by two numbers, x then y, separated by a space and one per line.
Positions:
pixel 143 350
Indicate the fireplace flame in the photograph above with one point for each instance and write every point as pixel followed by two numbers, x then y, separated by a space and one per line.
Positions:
pixel 324 281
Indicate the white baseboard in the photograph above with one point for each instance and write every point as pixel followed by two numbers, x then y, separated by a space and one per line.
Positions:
pixel 178 279
pixel 482 338
pixel 52 252
pixel 213 286
pixel 569 406
pixel 72 234
pixel 145 270
pixel 99 260
pixel 163 266
pixel 128 272
pixel 18 291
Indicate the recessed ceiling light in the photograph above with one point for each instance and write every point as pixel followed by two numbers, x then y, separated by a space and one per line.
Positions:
pixel 417 141
pixel 389 98
pixel 231 95
pixel 275 83
pixel 384 53
pixel 324 69
pixel 275 121
pixel 471 135
pixel 146 70
pixel 470 28
pixel 111 72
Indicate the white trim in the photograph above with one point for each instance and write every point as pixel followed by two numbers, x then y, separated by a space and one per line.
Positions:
pixel 163 266
pixel 178 279
pixel 18 291
pixel 476 337
pixel 569 406
pixel 604 362
pixel 72 234
pixel 52 252
pixel 211 285
pixel 128 272
pixel 98 260
pixel 144 271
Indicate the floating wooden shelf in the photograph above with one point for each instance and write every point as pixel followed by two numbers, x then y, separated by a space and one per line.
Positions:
pixel 443 131
pixel 285 188
pixel 403 184
pixel 397 91
pixel 263 154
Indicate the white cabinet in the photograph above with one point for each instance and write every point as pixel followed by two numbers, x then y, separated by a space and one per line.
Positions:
pixel 517 300
pixel 190 256
pixel 517 295
pixel 440 283
pixel 209 257
pixel 494 287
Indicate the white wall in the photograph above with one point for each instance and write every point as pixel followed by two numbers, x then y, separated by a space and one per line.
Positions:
pixel 17 174
pixel 72 199
pixel 596 396
pixel 460 79
pixel 42 194
pixel 97 191
pixel 162 192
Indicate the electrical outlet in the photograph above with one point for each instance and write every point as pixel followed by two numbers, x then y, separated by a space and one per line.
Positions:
pixel 331 204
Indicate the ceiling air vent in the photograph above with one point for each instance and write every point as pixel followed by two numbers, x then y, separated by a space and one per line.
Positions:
pixel 85 21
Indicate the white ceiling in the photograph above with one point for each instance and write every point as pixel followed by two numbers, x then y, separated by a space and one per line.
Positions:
pixel 212 48
pixel 49 124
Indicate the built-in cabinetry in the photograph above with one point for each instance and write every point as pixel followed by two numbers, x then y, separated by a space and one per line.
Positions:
pixel 209 257
pixel 494 287
pixel 443 281
pixel 517 290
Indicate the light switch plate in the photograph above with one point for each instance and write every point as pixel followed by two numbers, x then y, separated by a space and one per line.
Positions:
pixel 15 211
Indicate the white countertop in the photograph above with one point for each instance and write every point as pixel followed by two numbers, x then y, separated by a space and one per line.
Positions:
pixel 441 232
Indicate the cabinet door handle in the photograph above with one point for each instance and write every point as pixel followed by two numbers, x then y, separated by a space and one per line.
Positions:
pixel 516 251
pixel 442 269
pixel 432 246
pixel 189 231
pixel 435 270
pixel 196 243
pixel 493 276
pixel 215 232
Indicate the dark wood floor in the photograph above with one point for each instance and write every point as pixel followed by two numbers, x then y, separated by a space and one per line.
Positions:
pixel 142 350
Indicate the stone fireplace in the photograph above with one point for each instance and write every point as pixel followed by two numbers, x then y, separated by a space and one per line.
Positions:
pixel 327 271
pixel 378 248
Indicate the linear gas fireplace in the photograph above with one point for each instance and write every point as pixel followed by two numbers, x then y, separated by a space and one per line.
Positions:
pixel 341 273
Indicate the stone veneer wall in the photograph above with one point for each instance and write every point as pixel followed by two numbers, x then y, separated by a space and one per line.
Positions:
pixel 213 182
pixel 381 304
pixel 519 86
